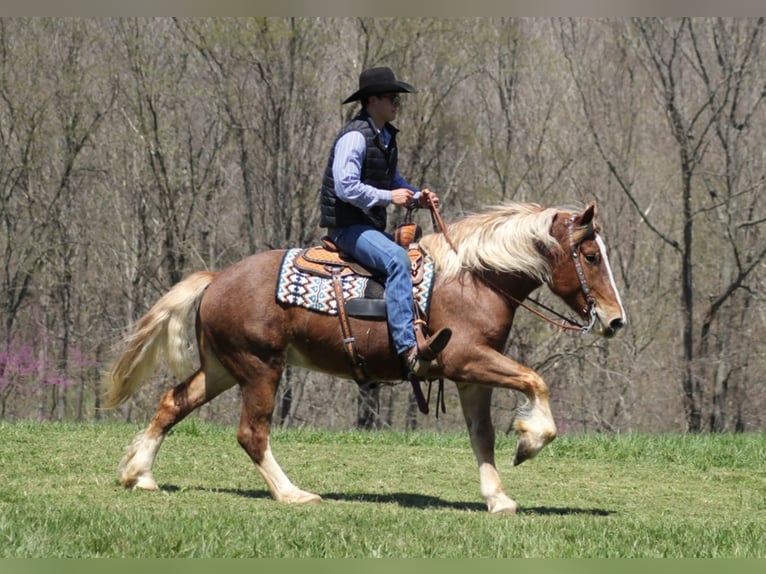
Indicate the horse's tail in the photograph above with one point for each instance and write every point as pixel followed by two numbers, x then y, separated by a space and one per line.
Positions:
pixel 162 331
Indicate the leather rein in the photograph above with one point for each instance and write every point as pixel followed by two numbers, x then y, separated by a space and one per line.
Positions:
pixel 567 324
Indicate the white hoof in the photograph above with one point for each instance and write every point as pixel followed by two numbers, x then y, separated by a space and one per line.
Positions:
pixel 502 505
pixel 301 497
pixel 145 483
pixel 529 444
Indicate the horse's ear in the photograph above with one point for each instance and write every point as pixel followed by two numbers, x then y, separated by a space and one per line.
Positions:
pixel 589 215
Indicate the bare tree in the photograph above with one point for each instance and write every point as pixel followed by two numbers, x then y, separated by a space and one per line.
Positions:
pixel 135 150
pixel 726 56
pixel 702 81
pixel 21 118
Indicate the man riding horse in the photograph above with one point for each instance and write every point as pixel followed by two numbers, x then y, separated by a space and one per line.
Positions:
pixel 246 336
pixel 360 181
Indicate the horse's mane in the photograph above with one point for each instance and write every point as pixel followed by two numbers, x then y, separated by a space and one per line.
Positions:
pixel 509 238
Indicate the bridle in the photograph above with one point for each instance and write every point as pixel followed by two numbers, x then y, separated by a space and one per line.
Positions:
pixel 590 303
pixel 574 250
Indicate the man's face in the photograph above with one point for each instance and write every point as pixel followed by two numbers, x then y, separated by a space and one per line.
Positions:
pixel 385 106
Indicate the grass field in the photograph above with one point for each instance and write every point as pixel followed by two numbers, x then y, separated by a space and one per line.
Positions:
pixel 385 494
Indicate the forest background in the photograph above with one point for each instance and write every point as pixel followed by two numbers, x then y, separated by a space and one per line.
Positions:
pixel 135 151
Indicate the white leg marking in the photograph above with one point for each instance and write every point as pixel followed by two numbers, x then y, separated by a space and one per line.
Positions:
pixel 492 490
pixel 282 489
pixel 135 468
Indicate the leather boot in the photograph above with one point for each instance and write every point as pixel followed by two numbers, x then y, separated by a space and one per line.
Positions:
pixel 418 359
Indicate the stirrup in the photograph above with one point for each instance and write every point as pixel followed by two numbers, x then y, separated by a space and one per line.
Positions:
pixel 415 365
pixel 418 360
pixel 428 349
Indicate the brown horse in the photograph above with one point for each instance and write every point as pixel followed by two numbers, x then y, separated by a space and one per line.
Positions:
pixel 245 337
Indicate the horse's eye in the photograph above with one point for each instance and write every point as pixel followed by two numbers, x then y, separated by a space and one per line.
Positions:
pixel 591 258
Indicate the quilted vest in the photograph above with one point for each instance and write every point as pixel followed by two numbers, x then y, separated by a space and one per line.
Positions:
pixel 378 170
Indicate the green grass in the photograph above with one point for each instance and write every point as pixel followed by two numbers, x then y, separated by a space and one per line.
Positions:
pixel 386 494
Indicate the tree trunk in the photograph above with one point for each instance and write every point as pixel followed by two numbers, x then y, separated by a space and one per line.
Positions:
pixel 368 407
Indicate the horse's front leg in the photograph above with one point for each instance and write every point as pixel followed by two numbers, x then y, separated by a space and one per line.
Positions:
pixel 534 421
pixel 475 401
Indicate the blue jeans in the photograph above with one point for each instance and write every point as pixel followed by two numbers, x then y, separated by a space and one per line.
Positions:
pixel 377 250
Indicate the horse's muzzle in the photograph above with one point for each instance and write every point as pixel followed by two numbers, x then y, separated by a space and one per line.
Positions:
pixel 611 328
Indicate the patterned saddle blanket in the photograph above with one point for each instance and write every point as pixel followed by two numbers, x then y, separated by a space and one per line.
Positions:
pixel 305 281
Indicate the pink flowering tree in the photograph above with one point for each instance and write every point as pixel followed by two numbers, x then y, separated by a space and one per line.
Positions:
pixel 27 372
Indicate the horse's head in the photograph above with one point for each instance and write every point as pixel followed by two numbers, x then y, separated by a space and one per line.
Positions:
pixel 580 272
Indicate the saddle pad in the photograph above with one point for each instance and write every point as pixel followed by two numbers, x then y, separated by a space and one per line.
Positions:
pixel 296 288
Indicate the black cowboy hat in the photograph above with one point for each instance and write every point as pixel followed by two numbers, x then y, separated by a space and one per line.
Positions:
pixel 378 81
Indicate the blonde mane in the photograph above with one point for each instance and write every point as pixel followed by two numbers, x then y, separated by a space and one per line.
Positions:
pixel 509 238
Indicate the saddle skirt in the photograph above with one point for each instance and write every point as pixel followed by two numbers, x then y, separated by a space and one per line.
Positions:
pixel 305 280
pixel 323 261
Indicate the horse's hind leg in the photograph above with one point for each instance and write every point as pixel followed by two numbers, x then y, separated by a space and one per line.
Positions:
pixel 135 469
pixel 258 396
pixel 476 401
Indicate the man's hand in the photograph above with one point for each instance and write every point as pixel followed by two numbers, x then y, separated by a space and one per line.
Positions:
pixel 428 197
pixel 401 196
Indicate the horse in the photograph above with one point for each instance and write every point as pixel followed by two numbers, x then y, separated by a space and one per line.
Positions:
pixel 485 265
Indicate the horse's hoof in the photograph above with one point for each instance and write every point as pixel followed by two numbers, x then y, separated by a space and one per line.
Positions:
pixel 145 483
pixel 529 445
pixel 506 506
pixel 303 497
pixel 313 499
pixel 525 450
